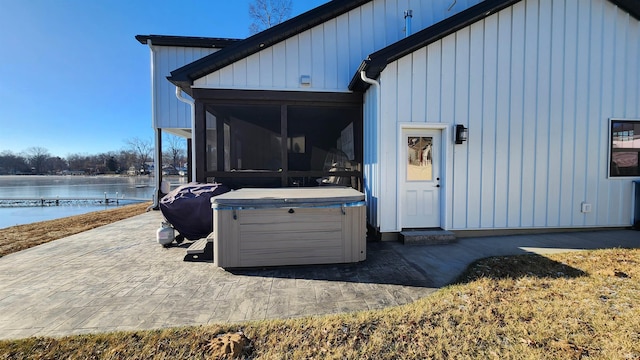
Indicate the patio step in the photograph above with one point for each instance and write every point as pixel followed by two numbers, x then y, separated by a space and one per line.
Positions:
pixel 198 246
pixel 427 237
pixel 200 250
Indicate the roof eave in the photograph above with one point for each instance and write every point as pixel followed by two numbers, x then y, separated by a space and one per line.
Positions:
pixel 356 83
pixel 186 41
pixel 630 6
pixel 381 58
pixel 184 85
pixel 264 39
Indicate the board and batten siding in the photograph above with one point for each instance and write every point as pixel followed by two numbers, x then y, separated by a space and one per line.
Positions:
pixel 330 53
pixel 536 84
pixel 168 111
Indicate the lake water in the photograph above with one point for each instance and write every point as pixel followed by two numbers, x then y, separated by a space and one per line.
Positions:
pixel 17 213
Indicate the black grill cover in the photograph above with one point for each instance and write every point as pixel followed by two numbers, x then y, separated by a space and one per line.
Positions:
pixel 188 208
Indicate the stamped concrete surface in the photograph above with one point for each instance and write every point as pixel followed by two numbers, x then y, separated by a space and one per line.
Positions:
pixel 118 278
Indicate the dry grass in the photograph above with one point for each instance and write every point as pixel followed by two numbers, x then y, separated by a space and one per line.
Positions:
pixel 22 237
pixel 565 306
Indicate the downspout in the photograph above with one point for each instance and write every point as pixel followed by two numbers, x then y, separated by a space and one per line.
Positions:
pixel 193 130
pixel 376 84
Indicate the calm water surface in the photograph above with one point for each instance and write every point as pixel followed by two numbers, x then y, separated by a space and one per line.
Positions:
pixel 140 187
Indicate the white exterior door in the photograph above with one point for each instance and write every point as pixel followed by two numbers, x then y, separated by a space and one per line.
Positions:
pixel 420 178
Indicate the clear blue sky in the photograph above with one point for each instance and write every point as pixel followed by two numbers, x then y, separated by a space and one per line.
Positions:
pixel 74 80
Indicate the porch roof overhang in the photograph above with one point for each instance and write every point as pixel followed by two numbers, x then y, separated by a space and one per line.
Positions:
pixel 186 41
pixel 186 75
pixel 378 61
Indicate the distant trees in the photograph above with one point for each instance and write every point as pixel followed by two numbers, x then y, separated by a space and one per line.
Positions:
pixel 55 165
pixel 78 162
pixel 34 160
pixel 40 162
pixel 112 164
pixel 174 150
pixel 127 159
pixel 136 154
pixel 141 148
pixel 37 158
pixel 11 164
pixel 267 13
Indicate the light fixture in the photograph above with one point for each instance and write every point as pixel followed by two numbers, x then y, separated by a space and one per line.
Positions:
pixel 462 134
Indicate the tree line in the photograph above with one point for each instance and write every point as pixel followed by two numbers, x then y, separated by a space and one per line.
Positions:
pixel 134 158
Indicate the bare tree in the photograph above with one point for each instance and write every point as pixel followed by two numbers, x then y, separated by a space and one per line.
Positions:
pixel 267 13
pixel 142 149
pixel 175 148
pixel 37 157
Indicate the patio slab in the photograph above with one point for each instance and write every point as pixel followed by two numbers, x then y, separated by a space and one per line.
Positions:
pixel 117 277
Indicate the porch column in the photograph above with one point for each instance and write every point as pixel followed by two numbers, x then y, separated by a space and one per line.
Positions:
pixel 201 142
pixel 157 170
pixel 189 161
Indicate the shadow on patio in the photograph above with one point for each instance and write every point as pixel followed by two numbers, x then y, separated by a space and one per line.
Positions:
pixel 383 265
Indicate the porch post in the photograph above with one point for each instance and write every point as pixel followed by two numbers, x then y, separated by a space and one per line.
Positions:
pixel 284 152
pixel 201 141
pixel 157 170
pixel 189 159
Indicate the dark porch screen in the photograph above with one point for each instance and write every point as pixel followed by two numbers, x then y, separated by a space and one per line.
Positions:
pixel 321 139
pixel 251 140
pixel 245 148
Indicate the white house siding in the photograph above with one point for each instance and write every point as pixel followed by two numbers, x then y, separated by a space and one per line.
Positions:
pixel 331 52
pixel 168 111
pixel 536 85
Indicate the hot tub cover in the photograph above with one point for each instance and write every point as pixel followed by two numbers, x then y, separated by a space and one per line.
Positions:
pixel 288 197
pixel 188 208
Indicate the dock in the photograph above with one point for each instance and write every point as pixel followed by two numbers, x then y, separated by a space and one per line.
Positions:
pixel 61 200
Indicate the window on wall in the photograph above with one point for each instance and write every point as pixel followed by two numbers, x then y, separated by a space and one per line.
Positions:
pixel 419 150
pixel 625 148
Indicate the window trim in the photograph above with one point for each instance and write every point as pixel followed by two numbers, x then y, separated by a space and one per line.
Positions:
pixel 610 147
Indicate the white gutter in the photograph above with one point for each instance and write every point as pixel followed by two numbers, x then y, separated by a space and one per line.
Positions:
pixel 376 84
pixel 193 130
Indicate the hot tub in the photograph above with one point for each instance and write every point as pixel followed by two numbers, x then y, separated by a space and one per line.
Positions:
pixel 288 226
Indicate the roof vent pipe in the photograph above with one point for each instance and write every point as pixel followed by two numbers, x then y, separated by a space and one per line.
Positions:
pixel 407 22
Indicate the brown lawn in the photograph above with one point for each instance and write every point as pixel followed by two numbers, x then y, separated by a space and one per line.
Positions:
pixel 21 237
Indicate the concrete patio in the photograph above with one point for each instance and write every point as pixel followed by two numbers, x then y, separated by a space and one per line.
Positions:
pixel 118 278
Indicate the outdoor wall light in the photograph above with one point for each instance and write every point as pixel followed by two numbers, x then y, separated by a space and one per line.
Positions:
pixel 462 134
